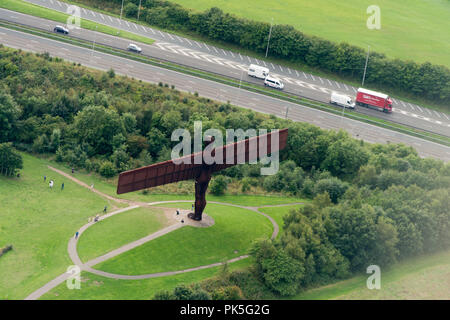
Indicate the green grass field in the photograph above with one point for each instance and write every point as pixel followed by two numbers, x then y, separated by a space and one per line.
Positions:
pixel 426 277
pixel 410 29
pixel 31 9
pixel 38 222
pixel 119 230
pixel 230 237
pixel 95 287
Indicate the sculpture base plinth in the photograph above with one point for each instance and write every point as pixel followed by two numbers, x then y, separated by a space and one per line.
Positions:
pixel 206 221
pixel 191 215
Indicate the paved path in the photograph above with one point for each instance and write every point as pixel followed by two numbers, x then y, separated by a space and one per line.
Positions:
pixel 72 245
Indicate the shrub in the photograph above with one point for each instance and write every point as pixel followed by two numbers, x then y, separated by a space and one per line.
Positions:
pixel 335 188
pixel 107 169
pixel 218 185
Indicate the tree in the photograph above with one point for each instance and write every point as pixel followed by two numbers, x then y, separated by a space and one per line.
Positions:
pixel 107 169
pixel 130 9
pixel 385 251
pixel 129 122
pixel 344 157
pixel 282 274
pixel 156 141
pixel 10 160
pixel 97 126
pixel 333 186
pixel 218 185
pixel 182 292
pixel 353 232
pixel 9 113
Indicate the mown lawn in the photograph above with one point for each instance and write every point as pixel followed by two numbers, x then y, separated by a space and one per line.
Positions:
pixel 231 236
pixel 118 230
pixel 95 287
pixel 38 222
pixel 410 29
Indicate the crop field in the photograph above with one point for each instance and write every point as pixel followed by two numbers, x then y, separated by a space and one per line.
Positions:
pixel 410 29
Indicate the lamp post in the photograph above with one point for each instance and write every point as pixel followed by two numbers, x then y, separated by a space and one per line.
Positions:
pixel 93 42
pixel 139 9
pixel 365 67
pixel 121 10
pixel 268 40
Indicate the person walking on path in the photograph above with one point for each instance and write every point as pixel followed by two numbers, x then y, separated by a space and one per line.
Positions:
pixel 62 186
pixel 76 235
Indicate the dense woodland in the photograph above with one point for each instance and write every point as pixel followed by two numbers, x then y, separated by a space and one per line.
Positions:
pixel 372 203
pixel 426 81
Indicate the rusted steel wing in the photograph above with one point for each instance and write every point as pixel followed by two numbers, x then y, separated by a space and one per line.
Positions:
pixel 168 172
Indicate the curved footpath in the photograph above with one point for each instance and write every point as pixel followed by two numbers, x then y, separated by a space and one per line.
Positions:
pixel 87 266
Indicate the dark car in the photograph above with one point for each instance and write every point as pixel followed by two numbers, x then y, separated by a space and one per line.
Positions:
pixel 61 29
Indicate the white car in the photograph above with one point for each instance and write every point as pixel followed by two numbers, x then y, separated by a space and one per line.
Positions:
pixel 273 82
pixel 135 48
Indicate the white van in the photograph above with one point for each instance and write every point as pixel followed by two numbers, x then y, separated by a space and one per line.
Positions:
pixel 273 82
pixel 342 100
pixel 257 71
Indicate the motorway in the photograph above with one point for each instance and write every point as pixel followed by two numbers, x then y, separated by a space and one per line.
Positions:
pixel 217 91
pixel 231 64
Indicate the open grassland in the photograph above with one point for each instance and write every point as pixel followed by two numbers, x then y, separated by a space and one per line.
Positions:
pixel 95 287
pixel 426 277
pixel 410 29
pixel 38 222
pixel 118 230
pixel 231 236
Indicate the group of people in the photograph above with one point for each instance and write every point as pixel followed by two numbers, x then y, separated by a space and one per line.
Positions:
pixel 51 183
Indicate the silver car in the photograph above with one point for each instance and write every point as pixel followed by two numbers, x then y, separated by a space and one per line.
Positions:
pixel 134 48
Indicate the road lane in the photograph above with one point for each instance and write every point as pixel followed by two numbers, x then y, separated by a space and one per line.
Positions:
pixel 211 89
